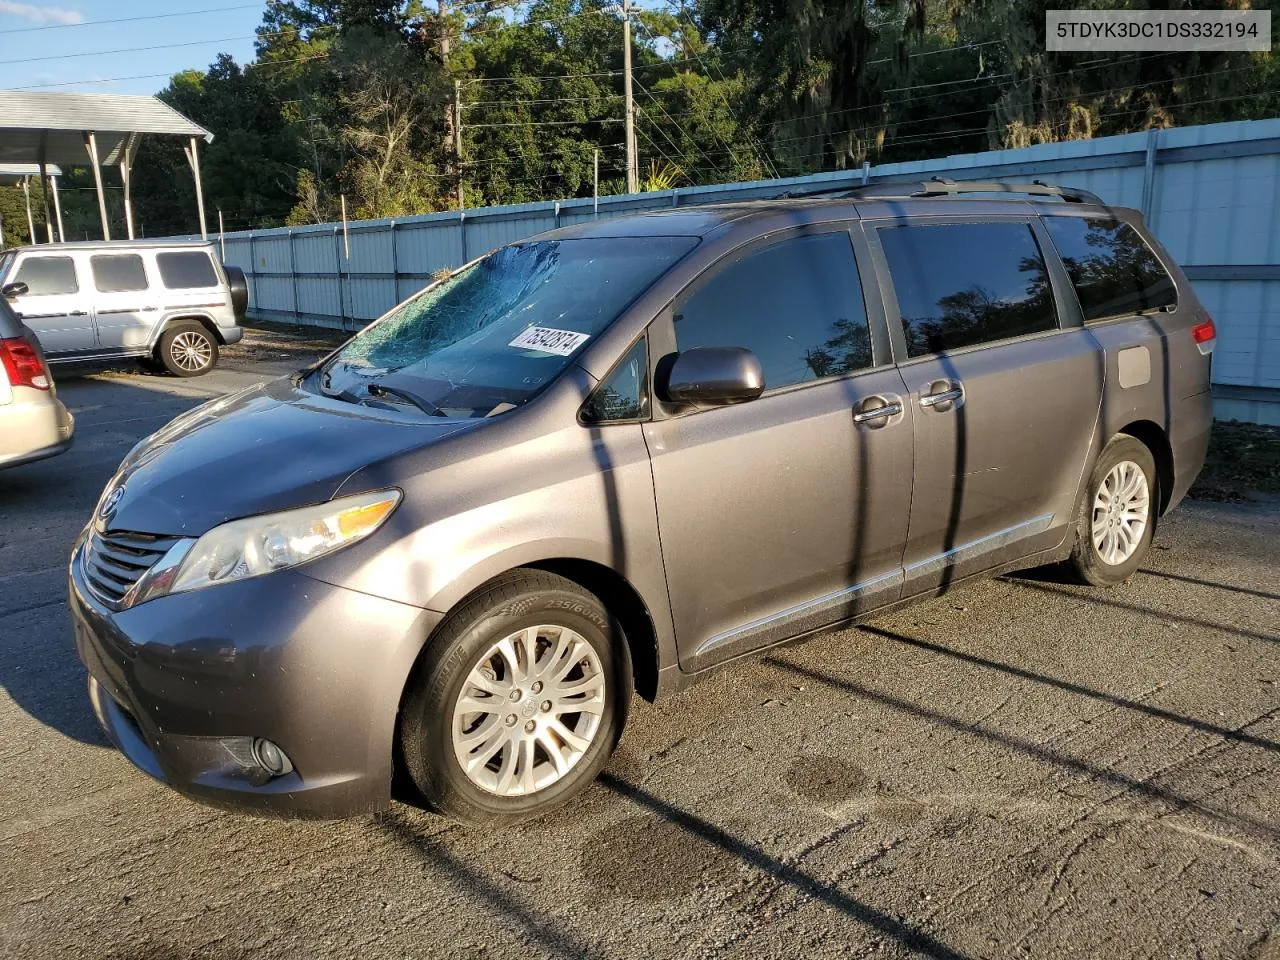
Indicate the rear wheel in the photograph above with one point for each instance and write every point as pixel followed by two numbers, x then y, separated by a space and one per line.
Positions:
pixel 187 350
pixel 519 701
pixel 1118 514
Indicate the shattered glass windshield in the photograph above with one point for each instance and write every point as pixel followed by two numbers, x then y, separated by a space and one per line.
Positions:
pixel 494 334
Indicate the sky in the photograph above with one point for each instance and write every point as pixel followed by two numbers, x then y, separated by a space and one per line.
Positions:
pixel 67 45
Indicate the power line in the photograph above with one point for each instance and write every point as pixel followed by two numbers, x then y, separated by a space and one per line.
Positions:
pixel 544 123
pixel 150 16
pixel 498 103
pixel 257 65
pixel 672 119
pixel 762 155
pixel 987 109
pixel 107 53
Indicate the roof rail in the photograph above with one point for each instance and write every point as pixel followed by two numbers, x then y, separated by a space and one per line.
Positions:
pixel 944 187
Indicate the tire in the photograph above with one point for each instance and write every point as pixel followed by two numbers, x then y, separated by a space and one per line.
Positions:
pixel 239 289
pixel 1116 560
pixel 436 733
pixel 187 350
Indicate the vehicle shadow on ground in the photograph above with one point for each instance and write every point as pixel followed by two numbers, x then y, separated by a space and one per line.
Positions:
pixel 1090 771
pixel 557 940
pixel 1034 580
pixel 43 507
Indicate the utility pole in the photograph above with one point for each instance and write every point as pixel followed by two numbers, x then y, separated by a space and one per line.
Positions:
pixel 633 177
pixel 452 112
pixel 457 139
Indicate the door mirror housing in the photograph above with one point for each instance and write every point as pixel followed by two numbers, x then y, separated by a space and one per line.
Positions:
pixel 12 290
pixel 711 375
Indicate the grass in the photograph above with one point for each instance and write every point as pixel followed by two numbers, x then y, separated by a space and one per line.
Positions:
pixel 1243 461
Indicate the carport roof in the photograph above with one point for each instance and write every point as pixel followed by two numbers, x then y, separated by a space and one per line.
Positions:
pixel 57 123
pixel 15 172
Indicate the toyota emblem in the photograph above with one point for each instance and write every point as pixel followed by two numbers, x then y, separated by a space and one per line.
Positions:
pixel 111 502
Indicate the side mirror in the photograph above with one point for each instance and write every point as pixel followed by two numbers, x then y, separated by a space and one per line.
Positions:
pixel 711 375
pixel 11 290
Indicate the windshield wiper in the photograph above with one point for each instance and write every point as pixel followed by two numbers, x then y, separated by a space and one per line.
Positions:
pixel 346 395
pixel 422 403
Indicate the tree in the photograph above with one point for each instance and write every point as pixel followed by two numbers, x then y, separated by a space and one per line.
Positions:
pixel 354 97
pixel 13 217
pixel 392 97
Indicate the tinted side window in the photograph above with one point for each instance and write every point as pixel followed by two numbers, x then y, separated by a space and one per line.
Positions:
pixel 796 304
pixel 624 395
pixel 186 270
pixel 118 273
pixel 960 284
pixel 1113 270
pixel 45 276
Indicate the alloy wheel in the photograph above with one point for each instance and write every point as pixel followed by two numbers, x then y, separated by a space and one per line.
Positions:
pixel 190 351
pixel 1121 512
pixel 529 710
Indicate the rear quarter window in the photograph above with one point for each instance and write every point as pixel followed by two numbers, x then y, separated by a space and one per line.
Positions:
pixel 186 270
pixel 118 273
pixel 1114 272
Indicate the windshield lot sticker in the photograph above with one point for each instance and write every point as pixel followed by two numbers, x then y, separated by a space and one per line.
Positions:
pixel 550 340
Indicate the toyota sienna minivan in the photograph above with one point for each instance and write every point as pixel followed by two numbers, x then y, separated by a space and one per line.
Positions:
pixel 615 457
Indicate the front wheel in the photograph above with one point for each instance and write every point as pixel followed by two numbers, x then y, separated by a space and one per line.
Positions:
pixel 188 350
pixel 518 702
pixel 1118 514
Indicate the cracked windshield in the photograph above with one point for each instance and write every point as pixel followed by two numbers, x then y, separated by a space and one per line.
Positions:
pixel 491 336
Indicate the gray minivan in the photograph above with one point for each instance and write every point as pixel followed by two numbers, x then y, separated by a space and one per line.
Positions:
pixel 619 455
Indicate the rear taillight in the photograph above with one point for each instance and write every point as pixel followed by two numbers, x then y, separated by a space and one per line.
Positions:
pixel 22 363
pixel 1204 331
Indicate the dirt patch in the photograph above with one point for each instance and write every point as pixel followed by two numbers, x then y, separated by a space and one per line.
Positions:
pixel 825 779
pixel 1243 462
pixel 647 858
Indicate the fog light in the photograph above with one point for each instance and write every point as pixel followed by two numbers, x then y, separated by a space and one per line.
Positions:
pixel 271 758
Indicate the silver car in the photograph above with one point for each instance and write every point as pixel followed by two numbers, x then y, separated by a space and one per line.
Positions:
pixel 33 422
pixel 168 304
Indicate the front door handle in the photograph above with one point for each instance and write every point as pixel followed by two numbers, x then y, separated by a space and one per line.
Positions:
pixel 946 396
pixel 875 409
pixel 78 313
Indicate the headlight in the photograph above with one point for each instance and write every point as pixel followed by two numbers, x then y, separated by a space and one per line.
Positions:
pixel 258 545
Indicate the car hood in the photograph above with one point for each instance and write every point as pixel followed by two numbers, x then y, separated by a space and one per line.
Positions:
pixel 271 447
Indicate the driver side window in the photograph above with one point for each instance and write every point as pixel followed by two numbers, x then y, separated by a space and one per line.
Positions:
pixel 796 304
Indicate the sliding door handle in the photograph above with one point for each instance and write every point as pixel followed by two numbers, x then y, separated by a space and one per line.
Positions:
pixel 946 396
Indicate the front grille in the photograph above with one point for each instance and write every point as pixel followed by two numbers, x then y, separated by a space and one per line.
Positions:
pixel 117 559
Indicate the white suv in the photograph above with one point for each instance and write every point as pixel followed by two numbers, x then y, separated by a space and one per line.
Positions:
pixel 167 303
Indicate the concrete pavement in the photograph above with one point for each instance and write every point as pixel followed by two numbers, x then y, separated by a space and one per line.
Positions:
pixel 1017 769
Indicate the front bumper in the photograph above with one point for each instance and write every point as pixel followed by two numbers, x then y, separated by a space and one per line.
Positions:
pixel 179 681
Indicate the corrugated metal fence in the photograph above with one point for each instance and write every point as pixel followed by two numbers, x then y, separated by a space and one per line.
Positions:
pixel 1211 194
